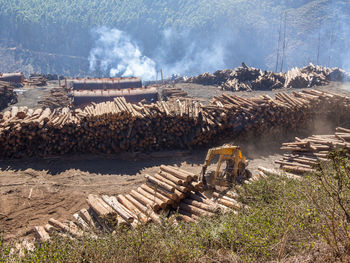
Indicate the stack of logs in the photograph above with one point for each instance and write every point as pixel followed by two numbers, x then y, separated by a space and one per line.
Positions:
pixel 171 92
pixel 57 98
pixel 247 78
pixel 36 80
pixel 7 94
pixel 170 192
pixel 118 126
pixel 306 153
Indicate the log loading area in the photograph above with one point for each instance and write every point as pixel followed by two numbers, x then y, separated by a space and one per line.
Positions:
pixel 85 170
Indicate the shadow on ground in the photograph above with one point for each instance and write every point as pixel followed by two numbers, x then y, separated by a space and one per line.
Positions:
pixel 133 163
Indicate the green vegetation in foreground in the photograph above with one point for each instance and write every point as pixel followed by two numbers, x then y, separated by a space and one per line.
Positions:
pixel 306 219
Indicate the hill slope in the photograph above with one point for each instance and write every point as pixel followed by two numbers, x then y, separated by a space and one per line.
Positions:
pixel 185 36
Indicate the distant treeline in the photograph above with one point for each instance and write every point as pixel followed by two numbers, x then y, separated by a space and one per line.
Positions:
pixel 310 31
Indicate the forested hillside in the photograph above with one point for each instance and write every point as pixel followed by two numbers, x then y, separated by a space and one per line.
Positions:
pixel 184 36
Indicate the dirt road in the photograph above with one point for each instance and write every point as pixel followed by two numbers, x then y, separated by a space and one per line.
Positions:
pixel 34 190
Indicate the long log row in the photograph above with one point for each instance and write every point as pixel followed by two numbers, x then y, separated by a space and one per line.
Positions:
pixel 171 191
pixel 306 153
pixel 118 126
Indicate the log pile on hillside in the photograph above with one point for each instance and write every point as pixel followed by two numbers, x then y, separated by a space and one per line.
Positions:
pixel 306 153
pixel 172 192
pixel 58 98
pixel 7 95
pixel 118 126
pixel 247 78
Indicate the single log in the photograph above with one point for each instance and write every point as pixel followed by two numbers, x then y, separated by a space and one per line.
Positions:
pixel 129 205
pixel 158 194
pixel 196 186
pixel 228 202
pixel 193 209
pixel 179 187
pixel 145 201
pixel 148 212
pixel 166 193
pixel 118 208
pixel 84 214
pixel 152 197
pixel 105 224
pixel 105 212
pixel 180 191
pixel 201 198
pixel 44 115
pixel 80 221
pixel 65 228
pixel 185 218
pixel 41 234
pixel 231 194
pixel 200 205
pixel 49 228
pixel 98 207
pixel 174 179
pixel 193 176
pixel 271 172
pixel 160 183
pixel 189 214
pixel 340 129
pixel 176 173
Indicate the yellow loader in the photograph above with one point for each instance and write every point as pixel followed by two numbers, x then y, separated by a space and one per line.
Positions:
pixel 234 172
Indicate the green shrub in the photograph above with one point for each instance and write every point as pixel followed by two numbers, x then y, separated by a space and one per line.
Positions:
pixel 328 191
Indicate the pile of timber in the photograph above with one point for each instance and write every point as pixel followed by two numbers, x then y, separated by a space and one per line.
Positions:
pixel 170 192
pixel 58 98
pixel 324 74
pixel 17 78
pixel 241 79
pixel 117 126
pixel 248 78
pixel 52 77
pixel 7 95
pixel 306 153
pixel 205 79
pixel 170 92
pixel 36 80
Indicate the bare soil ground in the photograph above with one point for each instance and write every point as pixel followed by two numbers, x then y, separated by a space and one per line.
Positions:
pixel 30 96
pixel 33 190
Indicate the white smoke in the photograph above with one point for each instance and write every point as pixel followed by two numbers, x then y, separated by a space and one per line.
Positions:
pixel 116 53
pixel 194 58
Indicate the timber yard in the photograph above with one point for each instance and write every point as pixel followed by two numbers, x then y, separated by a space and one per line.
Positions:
pixel 81 156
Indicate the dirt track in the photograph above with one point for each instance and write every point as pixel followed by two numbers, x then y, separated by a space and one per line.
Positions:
pixel 33 190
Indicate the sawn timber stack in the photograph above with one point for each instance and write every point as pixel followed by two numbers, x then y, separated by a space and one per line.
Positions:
pixel 118 126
